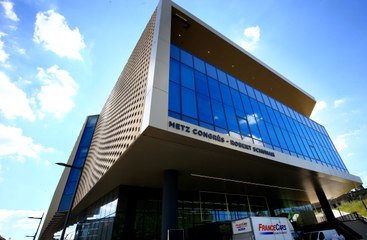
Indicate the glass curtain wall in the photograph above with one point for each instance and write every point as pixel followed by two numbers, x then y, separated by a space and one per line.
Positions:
pixel 204 95
pixel 97 222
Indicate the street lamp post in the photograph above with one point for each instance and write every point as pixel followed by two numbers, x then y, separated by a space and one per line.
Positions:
pixel 39 218
pixel 72 201
pixel 360 198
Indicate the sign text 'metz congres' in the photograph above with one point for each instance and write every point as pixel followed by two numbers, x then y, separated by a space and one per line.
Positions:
pixel 217 137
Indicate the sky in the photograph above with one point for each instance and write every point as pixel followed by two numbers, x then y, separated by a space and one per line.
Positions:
pixel 60 59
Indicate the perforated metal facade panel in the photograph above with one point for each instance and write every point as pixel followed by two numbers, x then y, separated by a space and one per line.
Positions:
pixel 120 119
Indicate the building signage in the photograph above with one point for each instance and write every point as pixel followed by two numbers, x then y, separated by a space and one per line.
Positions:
pixel 265 229
pixel 241 226
pixel 217 137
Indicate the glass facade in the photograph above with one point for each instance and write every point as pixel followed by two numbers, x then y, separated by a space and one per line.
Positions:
pixel 204 95
pixel 97 222
pixel 80 156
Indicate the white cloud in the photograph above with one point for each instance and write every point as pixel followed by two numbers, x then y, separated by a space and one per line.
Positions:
pixel 52 30
pixel 341 141
pixel 14 101
pixel 251 38
pixel 15 220
pixel 320 105
pixel 56 94
pixel 251 118
pixel 3 54
pixel 338 102
pixel 15 145
pixel 9 12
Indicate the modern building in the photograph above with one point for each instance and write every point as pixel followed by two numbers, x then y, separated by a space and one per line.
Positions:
pixel 195 133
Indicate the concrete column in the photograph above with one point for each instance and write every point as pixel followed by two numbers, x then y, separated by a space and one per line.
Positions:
pixel 169 202
pixel 325 206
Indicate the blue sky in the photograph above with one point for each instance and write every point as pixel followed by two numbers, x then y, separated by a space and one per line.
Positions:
pixel 60 59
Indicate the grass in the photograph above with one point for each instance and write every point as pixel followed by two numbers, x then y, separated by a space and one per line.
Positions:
pixel 354 206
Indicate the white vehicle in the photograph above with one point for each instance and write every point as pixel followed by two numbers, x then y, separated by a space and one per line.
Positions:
pixel 330 234
pixel 262 228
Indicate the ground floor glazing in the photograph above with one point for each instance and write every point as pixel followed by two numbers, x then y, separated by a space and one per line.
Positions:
pixel 136 213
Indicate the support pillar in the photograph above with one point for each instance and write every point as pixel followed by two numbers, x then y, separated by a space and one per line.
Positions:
pixel 325 206
pixel 169 202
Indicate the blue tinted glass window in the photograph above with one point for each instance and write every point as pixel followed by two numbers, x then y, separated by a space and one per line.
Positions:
pixel 280 138
pixel 255 108
pixel 222 77
pixel 87 136
pixel 293 126
pixel 65 202
pixel 286 111
pixel 241 87
pixel 266 99
pixel 263 131
pixel 175 52
pixel 272 116
pixel 264 112
pixel 272 134
pixel 272 103
pixel 279 119
pixel 237 100
pixel 244 127
pixel 205 110
pixel 231 119
pixel 92 121
pixel 253 127
pixel 174 103
pixel 187 77
pixel 211 71
pixel 246 104
pixel 280 107
pixel 231 106
pixel 226 94
pixel 295 143
pixel 190 120
pixel 287 139
pixel 199 64
pixel 286 123
pixel 83 151
pixel 301 146
pixel 201 83
pixel 292 114
pixel 174 115
pixel 258 95
pixel 188 101
pixel 214 89
pixel 205 125
pixel 218 114
pixel 186 58
pixel 174 71
pixel 232 82
pixel 250 91
pixel 221 130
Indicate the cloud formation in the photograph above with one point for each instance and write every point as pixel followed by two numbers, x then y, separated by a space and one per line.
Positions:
pixel 341 141
pixel 52 31
pixel 14 102
pixel 339 102
pixel 3 55
pixel 11 220
pixel 251 38
pixel 9 12
pixel 320 105
pixel 14 144
pixel 55 96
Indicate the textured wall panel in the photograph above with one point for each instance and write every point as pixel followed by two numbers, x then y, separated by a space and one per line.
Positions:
pixel 120 120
